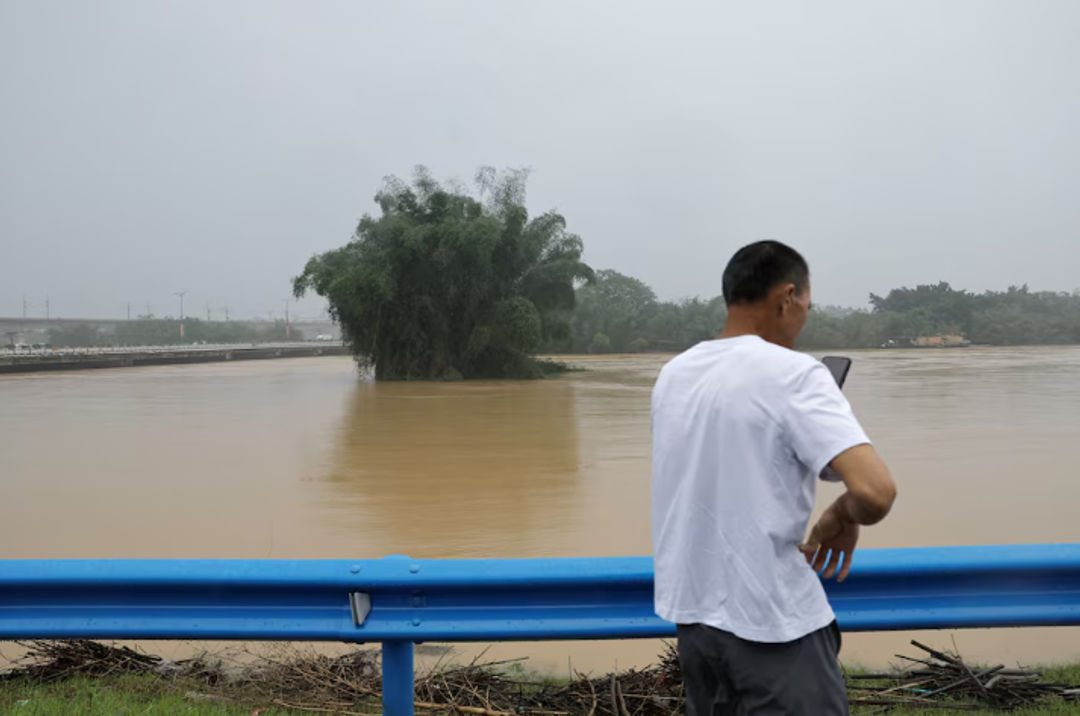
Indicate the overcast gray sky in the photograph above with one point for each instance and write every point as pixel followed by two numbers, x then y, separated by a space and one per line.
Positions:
pixel 153 147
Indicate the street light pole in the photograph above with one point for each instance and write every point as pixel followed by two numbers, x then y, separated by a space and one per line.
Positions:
pixel 288 333
pixel 181 295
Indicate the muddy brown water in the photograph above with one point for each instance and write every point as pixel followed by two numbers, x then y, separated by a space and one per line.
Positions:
pixel 303 458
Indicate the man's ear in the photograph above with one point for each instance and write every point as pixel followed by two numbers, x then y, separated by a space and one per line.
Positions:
pixel 786 294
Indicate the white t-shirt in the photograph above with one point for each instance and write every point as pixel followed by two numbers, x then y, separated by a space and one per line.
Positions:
pixel 741 430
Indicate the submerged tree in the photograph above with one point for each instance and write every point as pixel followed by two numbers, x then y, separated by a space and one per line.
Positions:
pixel 444 284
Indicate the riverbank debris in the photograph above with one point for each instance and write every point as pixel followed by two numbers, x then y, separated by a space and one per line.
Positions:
pixel 46 661
pixel 305 680
pixel 313 682
pixel 941 676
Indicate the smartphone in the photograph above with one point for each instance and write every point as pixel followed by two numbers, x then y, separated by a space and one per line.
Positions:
pixel 839 367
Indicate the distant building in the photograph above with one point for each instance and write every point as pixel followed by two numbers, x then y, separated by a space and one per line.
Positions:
pixel 941 341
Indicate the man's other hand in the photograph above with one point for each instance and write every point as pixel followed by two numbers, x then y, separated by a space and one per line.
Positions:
pixel 831 544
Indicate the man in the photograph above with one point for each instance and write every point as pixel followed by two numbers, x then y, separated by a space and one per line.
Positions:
pixel 742 428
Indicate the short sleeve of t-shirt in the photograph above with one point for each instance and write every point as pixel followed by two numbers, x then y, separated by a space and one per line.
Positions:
pixel 819 419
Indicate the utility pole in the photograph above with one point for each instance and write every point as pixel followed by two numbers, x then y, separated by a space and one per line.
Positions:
pixel 226 313
pixel 25 305
pixel 288 333
pixel 129 310
pixel 46 307
pixel 208 313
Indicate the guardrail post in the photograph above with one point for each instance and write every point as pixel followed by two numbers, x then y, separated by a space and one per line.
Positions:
pixel 397 678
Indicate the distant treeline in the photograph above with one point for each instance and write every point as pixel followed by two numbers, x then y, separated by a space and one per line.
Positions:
pixel 1013 317
pixel 620 314
pixel 166 331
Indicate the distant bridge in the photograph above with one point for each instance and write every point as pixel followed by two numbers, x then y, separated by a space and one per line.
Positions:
pixel 36 330
pixel 41 360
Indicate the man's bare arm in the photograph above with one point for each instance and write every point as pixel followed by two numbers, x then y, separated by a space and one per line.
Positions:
pixel 870 487
pixel 869 497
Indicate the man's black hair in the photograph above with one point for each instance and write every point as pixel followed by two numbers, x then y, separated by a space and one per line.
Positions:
pixel 756 268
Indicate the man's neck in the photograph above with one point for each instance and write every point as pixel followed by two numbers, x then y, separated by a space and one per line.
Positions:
pixel 741 322
pixel 744 321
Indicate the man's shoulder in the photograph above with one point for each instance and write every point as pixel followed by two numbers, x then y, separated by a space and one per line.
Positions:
pixel 772 360
pixel 753 365
pixel 760 353
pixel 683 358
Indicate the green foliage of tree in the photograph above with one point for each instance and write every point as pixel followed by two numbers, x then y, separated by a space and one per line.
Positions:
pixel 447 284
pixel 696 320
pixel 601 343
pixel 614 306
pixel 620 314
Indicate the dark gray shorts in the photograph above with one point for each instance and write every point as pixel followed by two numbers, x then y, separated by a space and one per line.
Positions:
pixel 728 675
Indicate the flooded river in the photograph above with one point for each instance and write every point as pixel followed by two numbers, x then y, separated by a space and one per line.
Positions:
pixel 302 458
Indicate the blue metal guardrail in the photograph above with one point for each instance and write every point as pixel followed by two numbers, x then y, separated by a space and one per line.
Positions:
pixel 400 601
